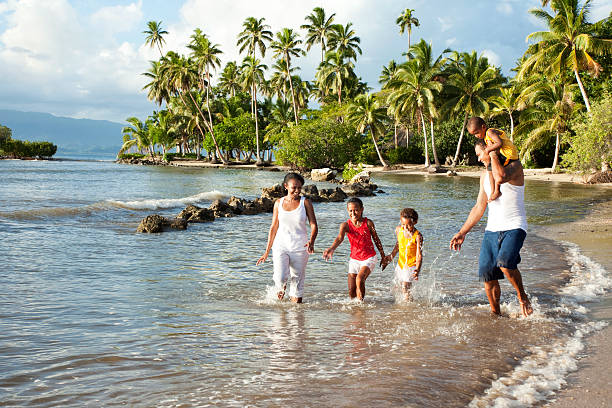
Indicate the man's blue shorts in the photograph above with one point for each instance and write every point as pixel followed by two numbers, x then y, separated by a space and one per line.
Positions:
pixel 499 249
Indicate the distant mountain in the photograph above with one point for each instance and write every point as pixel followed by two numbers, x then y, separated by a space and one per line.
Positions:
pixel 70 135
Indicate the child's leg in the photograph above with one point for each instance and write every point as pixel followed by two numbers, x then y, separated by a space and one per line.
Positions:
pixel 363 274
pixel 497 178
pixel 280 261
pixel 406 289
pixel 352 286
pixel 297 270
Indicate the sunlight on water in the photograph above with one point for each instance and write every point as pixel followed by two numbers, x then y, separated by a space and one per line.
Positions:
pixel 94 314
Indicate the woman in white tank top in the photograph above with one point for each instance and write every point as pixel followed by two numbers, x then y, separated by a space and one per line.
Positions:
pixel 289 240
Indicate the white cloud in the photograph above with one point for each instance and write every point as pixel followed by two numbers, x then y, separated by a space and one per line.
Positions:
pixel 445 23
pixel 118 18
pixel 450 41
pixel 504 8
pixel 492 56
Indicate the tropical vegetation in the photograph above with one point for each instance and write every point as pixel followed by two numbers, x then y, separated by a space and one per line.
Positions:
pixel 249 111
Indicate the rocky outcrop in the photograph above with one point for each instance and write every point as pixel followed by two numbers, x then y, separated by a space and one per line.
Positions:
pixel 361 177
pixel 240 206
pixel 325 174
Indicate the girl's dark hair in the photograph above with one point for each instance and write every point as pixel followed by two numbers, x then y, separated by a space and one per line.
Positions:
pixel 410 213
pixel 293 176
pixel 355 200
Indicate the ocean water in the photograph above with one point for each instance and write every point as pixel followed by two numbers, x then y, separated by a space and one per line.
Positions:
pixel 92 313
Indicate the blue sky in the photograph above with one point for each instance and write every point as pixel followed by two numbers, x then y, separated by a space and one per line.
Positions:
pixel 84 58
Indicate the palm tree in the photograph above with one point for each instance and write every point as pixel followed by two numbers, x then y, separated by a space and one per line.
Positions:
pixel 333 73
pixel 253 75
pixel 569 43
pixel 279 82
pixel 470 85
pixel 136 135
pixel 229 81
pixel 343 39
pixel 280 120
pixel 206 57
pixel 366 114
pixel 551 107
pixel 287 46
pixel 319 29
pixel 387 73
pixel 155 35
pixel 508 102
pixel 405 21
pixel 255 35
pixel 413 88
pixel 158 92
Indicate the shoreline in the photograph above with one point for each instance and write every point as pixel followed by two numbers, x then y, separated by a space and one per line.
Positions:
pixel 591 384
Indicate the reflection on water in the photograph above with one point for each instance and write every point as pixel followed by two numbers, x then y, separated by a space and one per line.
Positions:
pixel 93 314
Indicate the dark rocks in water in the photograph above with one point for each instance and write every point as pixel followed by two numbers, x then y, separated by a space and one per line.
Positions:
pixel 155 223
pixel 333 194
pixel 276 191
pixel 237 204
pixel 325 174
pixel 264 204
pixel 359 189
pixel 221 209
pixel 311 192
pixel 196 214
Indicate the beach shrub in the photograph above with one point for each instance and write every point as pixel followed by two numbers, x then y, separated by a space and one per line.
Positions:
pixel 350 170
pixel 319 142
pixel 20 148
pixel 591 142
pixel 234 133
pixel 5 135
pixel 131 156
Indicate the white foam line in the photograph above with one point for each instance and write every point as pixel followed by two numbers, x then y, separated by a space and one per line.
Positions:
pixel 154 204
pixel 543 372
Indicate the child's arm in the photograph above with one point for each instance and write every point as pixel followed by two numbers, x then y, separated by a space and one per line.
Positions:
pixel 389 258
pixel 376 239
pixel 271 234
pixel 327 254
pixel 496 141
pixel 314 229
pixel 419 256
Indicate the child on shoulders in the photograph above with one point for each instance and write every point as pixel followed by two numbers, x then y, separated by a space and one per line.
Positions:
pixel 361 232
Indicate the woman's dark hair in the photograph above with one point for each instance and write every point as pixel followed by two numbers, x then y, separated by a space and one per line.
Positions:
pixel 355 200
pixel 410 213
pixel 293 176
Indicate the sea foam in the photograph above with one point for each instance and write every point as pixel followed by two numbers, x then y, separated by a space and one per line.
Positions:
pixel 542 373
pixel 161 203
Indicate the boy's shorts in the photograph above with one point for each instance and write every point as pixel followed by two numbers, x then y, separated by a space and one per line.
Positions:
pixel 405 274
pixel 500 249
pixel 354 265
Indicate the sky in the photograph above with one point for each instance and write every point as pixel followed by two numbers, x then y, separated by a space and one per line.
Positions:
pixel 85 58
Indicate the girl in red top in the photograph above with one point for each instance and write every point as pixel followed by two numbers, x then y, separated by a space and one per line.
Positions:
pixel 361 232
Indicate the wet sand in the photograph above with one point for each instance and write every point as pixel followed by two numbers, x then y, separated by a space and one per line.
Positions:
pixel 591 385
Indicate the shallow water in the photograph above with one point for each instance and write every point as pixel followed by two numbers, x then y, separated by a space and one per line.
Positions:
pixel 93 313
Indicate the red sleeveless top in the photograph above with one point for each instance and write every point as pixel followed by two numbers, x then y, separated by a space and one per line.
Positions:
pixel 360 239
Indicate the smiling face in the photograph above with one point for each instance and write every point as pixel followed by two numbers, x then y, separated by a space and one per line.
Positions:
pixel 407 224
pixel 355 212
pixel 479 132
pixel 482 156
pixel 294 188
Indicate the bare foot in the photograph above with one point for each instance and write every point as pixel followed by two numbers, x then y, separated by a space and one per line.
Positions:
pixel 526 308
pixel 281 293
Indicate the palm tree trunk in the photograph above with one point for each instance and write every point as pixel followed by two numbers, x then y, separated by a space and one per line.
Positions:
pixel 340 94
pixel 208 108
pixel 322 50
pixel 433 144
pixel 511 127
pixel 256 123
pixel 395 133
pixel 556 159
pixel 582 91
pixel 292 93
pixel 384 163
pixel 425 138
pixel 460 140
pixel 208 126
pixel 408 53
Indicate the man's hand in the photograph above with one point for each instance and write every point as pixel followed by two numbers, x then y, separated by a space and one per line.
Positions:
pixel 456 241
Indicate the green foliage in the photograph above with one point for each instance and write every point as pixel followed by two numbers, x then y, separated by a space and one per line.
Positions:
pixel 131 156
pixel 350 170
pixel 5 134
pixel 591 145
pixel 319 142
pixel 22 149
pixel 233 133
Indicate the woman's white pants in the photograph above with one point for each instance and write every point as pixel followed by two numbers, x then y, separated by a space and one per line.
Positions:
pixel 290 265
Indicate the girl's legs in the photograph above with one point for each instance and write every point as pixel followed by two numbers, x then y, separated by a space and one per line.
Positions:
pixel 360 280
pixel 297 271
pixel 280 260
pixel 352 286
pixel 406 289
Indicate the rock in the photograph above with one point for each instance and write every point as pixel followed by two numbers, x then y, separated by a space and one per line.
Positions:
pixel 451 173
pixel 332 194
pixel 600 177
pixel 151 224
pixel 276 191
pixel 177 223
pixel 264 204
pixel 324 174
pixel 310 190
pixel 380 192
pixel 359 189
pixel 434 169
pixel 220 206
pixel 250 209
pixel 237 204
pixel 194 213
pixel 362 177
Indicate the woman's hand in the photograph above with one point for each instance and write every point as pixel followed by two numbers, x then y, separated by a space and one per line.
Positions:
pixel 263 258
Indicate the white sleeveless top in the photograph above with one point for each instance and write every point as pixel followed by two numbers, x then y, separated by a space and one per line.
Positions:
pixel 292 234
pixel 508 211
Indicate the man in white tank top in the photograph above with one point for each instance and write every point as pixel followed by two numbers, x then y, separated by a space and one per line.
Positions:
pixel 504 234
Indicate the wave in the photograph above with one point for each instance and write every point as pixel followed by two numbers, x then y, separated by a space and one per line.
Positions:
pixel 162 203
pixel 540 375
pixel 106 205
